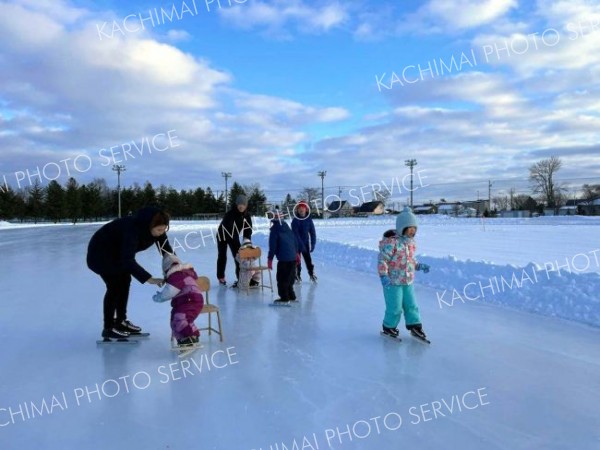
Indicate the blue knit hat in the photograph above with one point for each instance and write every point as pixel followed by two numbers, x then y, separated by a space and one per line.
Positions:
pixel 405 219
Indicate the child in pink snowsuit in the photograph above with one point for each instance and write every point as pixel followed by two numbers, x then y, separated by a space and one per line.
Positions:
pixel 186 298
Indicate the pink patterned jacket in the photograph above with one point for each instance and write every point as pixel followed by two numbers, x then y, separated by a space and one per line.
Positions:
pixel 397 259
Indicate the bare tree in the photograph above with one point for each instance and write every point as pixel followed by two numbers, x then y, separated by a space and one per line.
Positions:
pixel 511 194
pixel 381 196
pixel 500 202
pixel 591 192
pixel 541 175
pixel 309 194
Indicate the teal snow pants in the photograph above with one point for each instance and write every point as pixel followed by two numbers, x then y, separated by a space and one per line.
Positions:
pixel 397 299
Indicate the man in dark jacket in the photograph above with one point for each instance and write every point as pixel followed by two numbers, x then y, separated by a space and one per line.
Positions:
pixel 303 226
pixel 236 220
pixel 111 254
pixel 283 244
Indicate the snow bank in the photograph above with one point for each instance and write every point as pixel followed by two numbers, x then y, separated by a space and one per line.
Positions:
pixel 541 290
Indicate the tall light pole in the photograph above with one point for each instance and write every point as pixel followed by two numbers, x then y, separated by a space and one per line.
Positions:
pixel 490 197
pixel 119 168
pixel 411 163
pixel 322 174
pixel 226 175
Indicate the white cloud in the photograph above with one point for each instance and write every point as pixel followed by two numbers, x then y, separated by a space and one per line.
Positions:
pixel 178 36
pixel 86 94
pixel 277 16
pixel 440 15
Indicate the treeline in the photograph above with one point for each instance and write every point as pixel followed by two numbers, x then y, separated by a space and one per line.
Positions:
pixel 76 202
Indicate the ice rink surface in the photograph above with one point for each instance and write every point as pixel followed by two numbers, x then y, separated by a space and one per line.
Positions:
pixel 314 376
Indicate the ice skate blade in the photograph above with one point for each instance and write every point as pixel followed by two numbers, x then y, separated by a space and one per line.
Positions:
pixel 422 340
pixel 138 335
pixel 393 338
pixel 119 341
pixel 281 304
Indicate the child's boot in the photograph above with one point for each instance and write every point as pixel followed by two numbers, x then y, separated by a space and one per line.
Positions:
pixel 392 332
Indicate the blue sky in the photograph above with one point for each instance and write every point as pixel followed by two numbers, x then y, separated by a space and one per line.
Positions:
pixel 274 91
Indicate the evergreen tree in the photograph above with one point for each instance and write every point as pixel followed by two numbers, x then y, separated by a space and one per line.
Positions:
pixel 148 195
pixel 173 204
pixel 236 190
pixel 93 204
pixel 256 200
pixel 8 203
pixel 200 203
pixel 35 201
pixel 288 203
pixel 55 201
pixel 73 200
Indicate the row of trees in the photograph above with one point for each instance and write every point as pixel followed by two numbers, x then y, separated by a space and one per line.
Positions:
pixel 95 201
pixel 550 194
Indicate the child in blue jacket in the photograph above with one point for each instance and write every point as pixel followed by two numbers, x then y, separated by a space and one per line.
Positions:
pixel 304 228
pixel 284 245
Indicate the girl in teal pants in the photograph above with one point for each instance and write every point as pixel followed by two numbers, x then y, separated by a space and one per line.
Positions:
pixel 396 266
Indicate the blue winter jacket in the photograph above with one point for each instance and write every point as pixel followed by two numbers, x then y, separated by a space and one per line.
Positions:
pixel 304 228
pixel 283 242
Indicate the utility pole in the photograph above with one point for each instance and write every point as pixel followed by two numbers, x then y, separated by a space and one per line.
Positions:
pixel 322 174
pixel 226 175
pixel 490 196
pixel 119 168
pixel 411 163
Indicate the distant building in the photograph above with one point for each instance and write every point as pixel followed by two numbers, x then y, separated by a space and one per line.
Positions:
pixel 567 210
pixel 515 213
pixel 339 208
pixel 586 207
pixel 480 206
pixel 370 208
pixel 468 212
pixel 425 209
pixel 450 209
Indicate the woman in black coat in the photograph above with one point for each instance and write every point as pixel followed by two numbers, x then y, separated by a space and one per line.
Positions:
pixel 237 220
pixel 111 254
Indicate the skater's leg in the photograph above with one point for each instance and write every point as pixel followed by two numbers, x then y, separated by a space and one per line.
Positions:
pixel 183 316
pixel 291 279
pixel 115 298
pixel 234 246
pixel 110 300
pixel 409 306
pixel 309 264
pixel 393 306
pixel 122 297
pixel 221 259
pixel 282 276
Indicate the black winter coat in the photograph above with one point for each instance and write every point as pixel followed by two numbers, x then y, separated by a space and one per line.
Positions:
pixel 112 249
pixel 233 222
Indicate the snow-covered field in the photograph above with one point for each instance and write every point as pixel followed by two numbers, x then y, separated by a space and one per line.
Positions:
pixel 316 376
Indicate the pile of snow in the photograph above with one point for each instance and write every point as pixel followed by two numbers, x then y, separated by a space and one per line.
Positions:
pixel 544 265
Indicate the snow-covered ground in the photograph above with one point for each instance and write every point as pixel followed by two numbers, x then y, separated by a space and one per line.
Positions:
pixel 318 374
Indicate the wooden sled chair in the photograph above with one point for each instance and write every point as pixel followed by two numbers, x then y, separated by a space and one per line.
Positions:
pixel 250 253
pixel 204 285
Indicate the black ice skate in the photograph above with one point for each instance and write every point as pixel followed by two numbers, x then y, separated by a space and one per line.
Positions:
pixel 313 278
pixel 417 332
pixel 280 302
pixel 128 327
pixel 115 336
pixel 390 332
